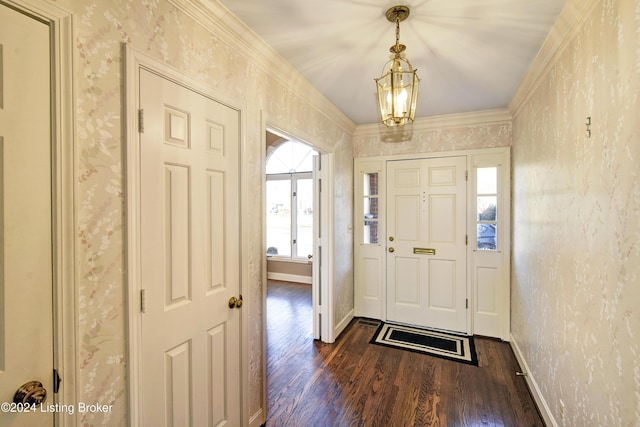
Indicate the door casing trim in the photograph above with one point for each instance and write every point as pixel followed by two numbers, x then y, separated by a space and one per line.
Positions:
pixel 378 164
pixel 134 60
pixel 61 30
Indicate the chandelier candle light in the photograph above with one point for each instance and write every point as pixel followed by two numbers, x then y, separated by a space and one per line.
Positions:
pixel 398 85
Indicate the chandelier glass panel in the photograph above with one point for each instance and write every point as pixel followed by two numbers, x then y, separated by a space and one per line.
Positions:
pixel 398 85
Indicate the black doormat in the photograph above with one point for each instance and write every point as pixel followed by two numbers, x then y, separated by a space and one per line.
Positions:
pixel 459 348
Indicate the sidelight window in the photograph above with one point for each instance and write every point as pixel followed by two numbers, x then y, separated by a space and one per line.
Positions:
pixel 370 218
pixel 487 208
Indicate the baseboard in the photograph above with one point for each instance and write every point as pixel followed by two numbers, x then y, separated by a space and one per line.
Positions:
pixel 289 278
pixel 337 330
pixel 543 407
pixel 257 419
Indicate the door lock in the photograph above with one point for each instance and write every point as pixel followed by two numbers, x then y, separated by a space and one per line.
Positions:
pixel 235 302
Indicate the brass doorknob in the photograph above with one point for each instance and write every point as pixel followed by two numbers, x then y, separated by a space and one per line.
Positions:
pixel 31 393
pixel 391 249
pixel 235 302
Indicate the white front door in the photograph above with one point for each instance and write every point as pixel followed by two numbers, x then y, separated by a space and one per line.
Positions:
pixel 26 258
pixel 190 257
pixel 426 247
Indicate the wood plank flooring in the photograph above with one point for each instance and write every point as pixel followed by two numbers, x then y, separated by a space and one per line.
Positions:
pixel 354 383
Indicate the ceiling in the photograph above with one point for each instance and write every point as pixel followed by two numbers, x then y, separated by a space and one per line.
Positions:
pixel 471 55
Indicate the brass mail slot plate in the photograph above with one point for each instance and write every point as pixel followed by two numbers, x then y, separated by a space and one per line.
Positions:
pixel 424 251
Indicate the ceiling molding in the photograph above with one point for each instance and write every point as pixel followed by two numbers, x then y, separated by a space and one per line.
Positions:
pixel 475 118
pixel 218 20
pixel 570 21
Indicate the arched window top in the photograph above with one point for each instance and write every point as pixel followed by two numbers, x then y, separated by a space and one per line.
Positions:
pixel 291 157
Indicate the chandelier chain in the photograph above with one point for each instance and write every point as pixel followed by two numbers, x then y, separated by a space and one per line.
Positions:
pixel 397 31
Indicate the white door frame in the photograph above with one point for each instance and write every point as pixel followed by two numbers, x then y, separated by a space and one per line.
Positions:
pixel 322 315
pixel 372 302
pixel 322 293
pixel 134 61
pixel 60 23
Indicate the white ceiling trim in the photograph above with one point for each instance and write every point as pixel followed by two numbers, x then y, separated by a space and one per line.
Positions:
pixel 475 118
pixel 569 22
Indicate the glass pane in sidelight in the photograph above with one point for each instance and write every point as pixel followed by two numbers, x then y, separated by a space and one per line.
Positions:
pixel 370 208
pixel 487 208
pixel 370 184
pixel 487 179
pixel 487 237
pixel 370 232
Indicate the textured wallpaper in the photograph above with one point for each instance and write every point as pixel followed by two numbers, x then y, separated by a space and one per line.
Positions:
pixel 576 229
pixel 164 32
pixel 462 137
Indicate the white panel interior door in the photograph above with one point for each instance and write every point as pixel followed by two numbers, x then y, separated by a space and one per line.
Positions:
pixel 190 257
pixel 26 330
pixel 426 248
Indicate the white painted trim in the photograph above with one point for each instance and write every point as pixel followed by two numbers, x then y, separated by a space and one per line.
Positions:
pixel 289 277
pixel 328 255
pixel 342 325
pixel 504 152
pixel 131 68
pixel 366 305
pixel 134 60
pixel 263 267
pixel 61 24
pixel 543 407
pixel 484 117
pixel 258 419
pixel 326 287
pixel 566 27
pixel 501 158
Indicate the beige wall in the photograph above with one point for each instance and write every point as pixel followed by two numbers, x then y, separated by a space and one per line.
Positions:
pixel 576 256
pixel 290 268
pixel 576 230
pixel 482 129
pixel 246 71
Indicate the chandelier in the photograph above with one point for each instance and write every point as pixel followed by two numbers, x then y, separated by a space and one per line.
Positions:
pixel 398 85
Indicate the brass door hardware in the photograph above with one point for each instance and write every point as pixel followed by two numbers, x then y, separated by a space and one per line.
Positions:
pixel 235 302
pixel 31 393
pixel 424 251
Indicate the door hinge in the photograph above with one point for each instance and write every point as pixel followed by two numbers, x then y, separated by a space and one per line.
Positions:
pixel 467 303
pixel 466 240
pixel 320 186
pixel 56 381
pixel 143 301
pixel 466 175
pixel 141 120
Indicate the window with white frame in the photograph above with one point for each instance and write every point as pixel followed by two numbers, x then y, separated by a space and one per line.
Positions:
pixel 487 208
pixel 289 197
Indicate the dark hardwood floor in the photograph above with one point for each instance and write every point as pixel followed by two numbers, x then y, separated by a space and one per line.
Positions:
pixel 354 383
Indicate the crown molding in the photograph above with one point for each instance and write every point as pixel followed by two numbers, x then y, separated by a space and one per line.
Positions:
pixel 217 19
pixel 565 29
pixel 475 118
